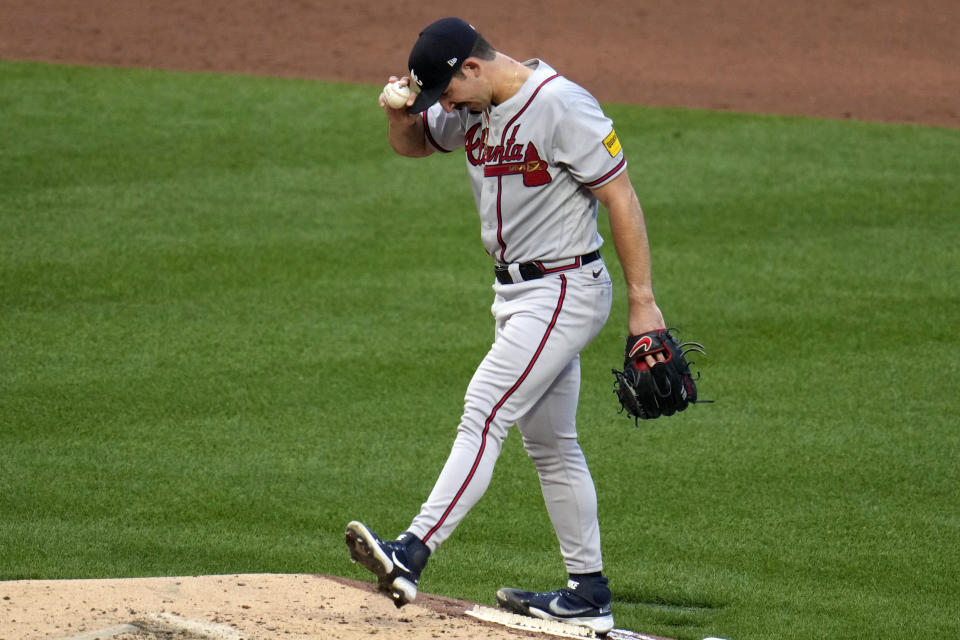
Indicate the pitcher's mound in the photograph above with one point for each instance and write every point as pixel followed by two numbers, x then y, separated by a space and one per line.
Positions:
pixel 232 607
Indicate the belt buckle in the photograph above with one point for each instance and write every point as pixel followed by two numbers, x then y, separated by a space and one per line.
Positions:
pixel 550 266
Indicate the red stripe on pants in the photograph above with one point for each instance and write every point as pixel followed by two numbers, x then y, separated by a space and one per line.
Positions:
pixel 493 413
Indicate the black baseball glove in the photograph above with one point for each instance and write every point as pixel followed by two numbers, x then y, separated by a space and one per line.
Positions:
pixel 647 392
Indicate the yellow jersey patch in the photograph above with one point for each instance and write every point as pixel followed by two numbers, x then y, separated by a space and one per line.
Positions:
pixel 612 143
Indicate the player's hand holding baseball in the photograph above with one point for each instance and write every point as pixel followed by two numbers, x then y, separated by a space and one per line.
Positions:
pixel 396 95
pixel 404 129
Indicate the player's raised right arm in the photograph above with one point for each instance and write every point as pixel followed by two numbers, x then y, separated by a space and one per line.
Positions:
pixel 405 130
pixel 405 133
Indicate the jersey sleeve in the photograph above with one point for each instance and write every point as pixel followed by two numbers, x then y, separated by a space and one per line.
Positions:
pixel 444 131
pixel 585 141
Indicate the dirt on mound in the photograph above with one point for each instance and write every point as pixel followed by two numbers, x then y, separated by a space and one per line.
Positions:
pixel 228 608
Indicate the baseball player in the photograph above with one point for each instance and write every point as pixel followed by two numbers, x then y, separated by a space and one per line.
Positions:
pixel 541 155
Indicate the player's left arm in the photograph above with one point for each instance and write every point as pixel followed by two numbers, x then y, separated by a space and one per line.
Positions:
pixel 630 240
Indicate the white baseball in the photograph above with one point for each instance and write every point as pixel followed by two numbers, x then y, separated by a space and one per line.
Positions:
pixel 395 95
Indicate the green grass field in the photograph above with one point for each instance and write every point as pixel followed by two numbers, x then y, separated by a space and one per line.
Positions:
pixel 231 320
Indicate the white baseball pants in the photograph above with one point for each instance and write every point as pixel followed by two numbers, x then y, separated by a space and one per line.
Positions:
pixel 531 378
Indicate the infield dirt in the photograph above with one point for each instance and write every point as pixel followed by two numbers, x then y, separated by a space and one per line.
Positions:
pixel 258 606
pixel 883 60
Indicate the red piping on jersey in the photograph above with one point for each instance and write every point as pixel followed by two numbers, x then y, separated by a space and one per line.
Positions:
pixel 503 246
pixel 429 136
pixel 524 107
pixel 607 176
pixel 496 408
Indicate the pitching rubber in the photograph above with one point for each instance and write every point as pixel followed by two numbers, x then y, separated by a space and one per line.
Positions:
pixel 600 626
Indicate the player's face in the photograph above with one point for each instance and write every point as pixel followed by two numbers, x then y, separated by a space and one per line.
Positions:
pixel 463 92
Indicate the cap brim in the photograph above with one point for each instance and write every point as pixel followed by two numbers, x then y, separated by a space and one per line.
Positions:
pixel 426 99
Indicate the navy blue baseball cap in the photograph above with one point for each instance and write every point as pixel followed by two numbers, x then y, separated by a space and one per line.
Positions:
pixel 436 57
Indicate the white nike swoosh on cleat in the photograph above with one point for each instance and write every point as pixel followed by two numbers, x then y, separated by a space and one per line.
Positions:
pixel 556 608
pixel 398 563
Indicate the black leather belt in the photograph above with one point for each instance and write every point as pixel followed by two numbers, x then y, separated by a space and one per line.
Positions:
pixel 539 268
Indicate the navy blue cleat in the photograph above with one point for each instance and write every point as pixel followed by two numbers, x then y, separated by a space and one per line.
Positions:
pixel 396 563
pixel 585 603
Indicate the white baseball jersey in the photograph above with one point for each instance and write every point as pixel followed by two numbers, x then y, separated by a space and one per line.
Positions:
pixel 532 160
